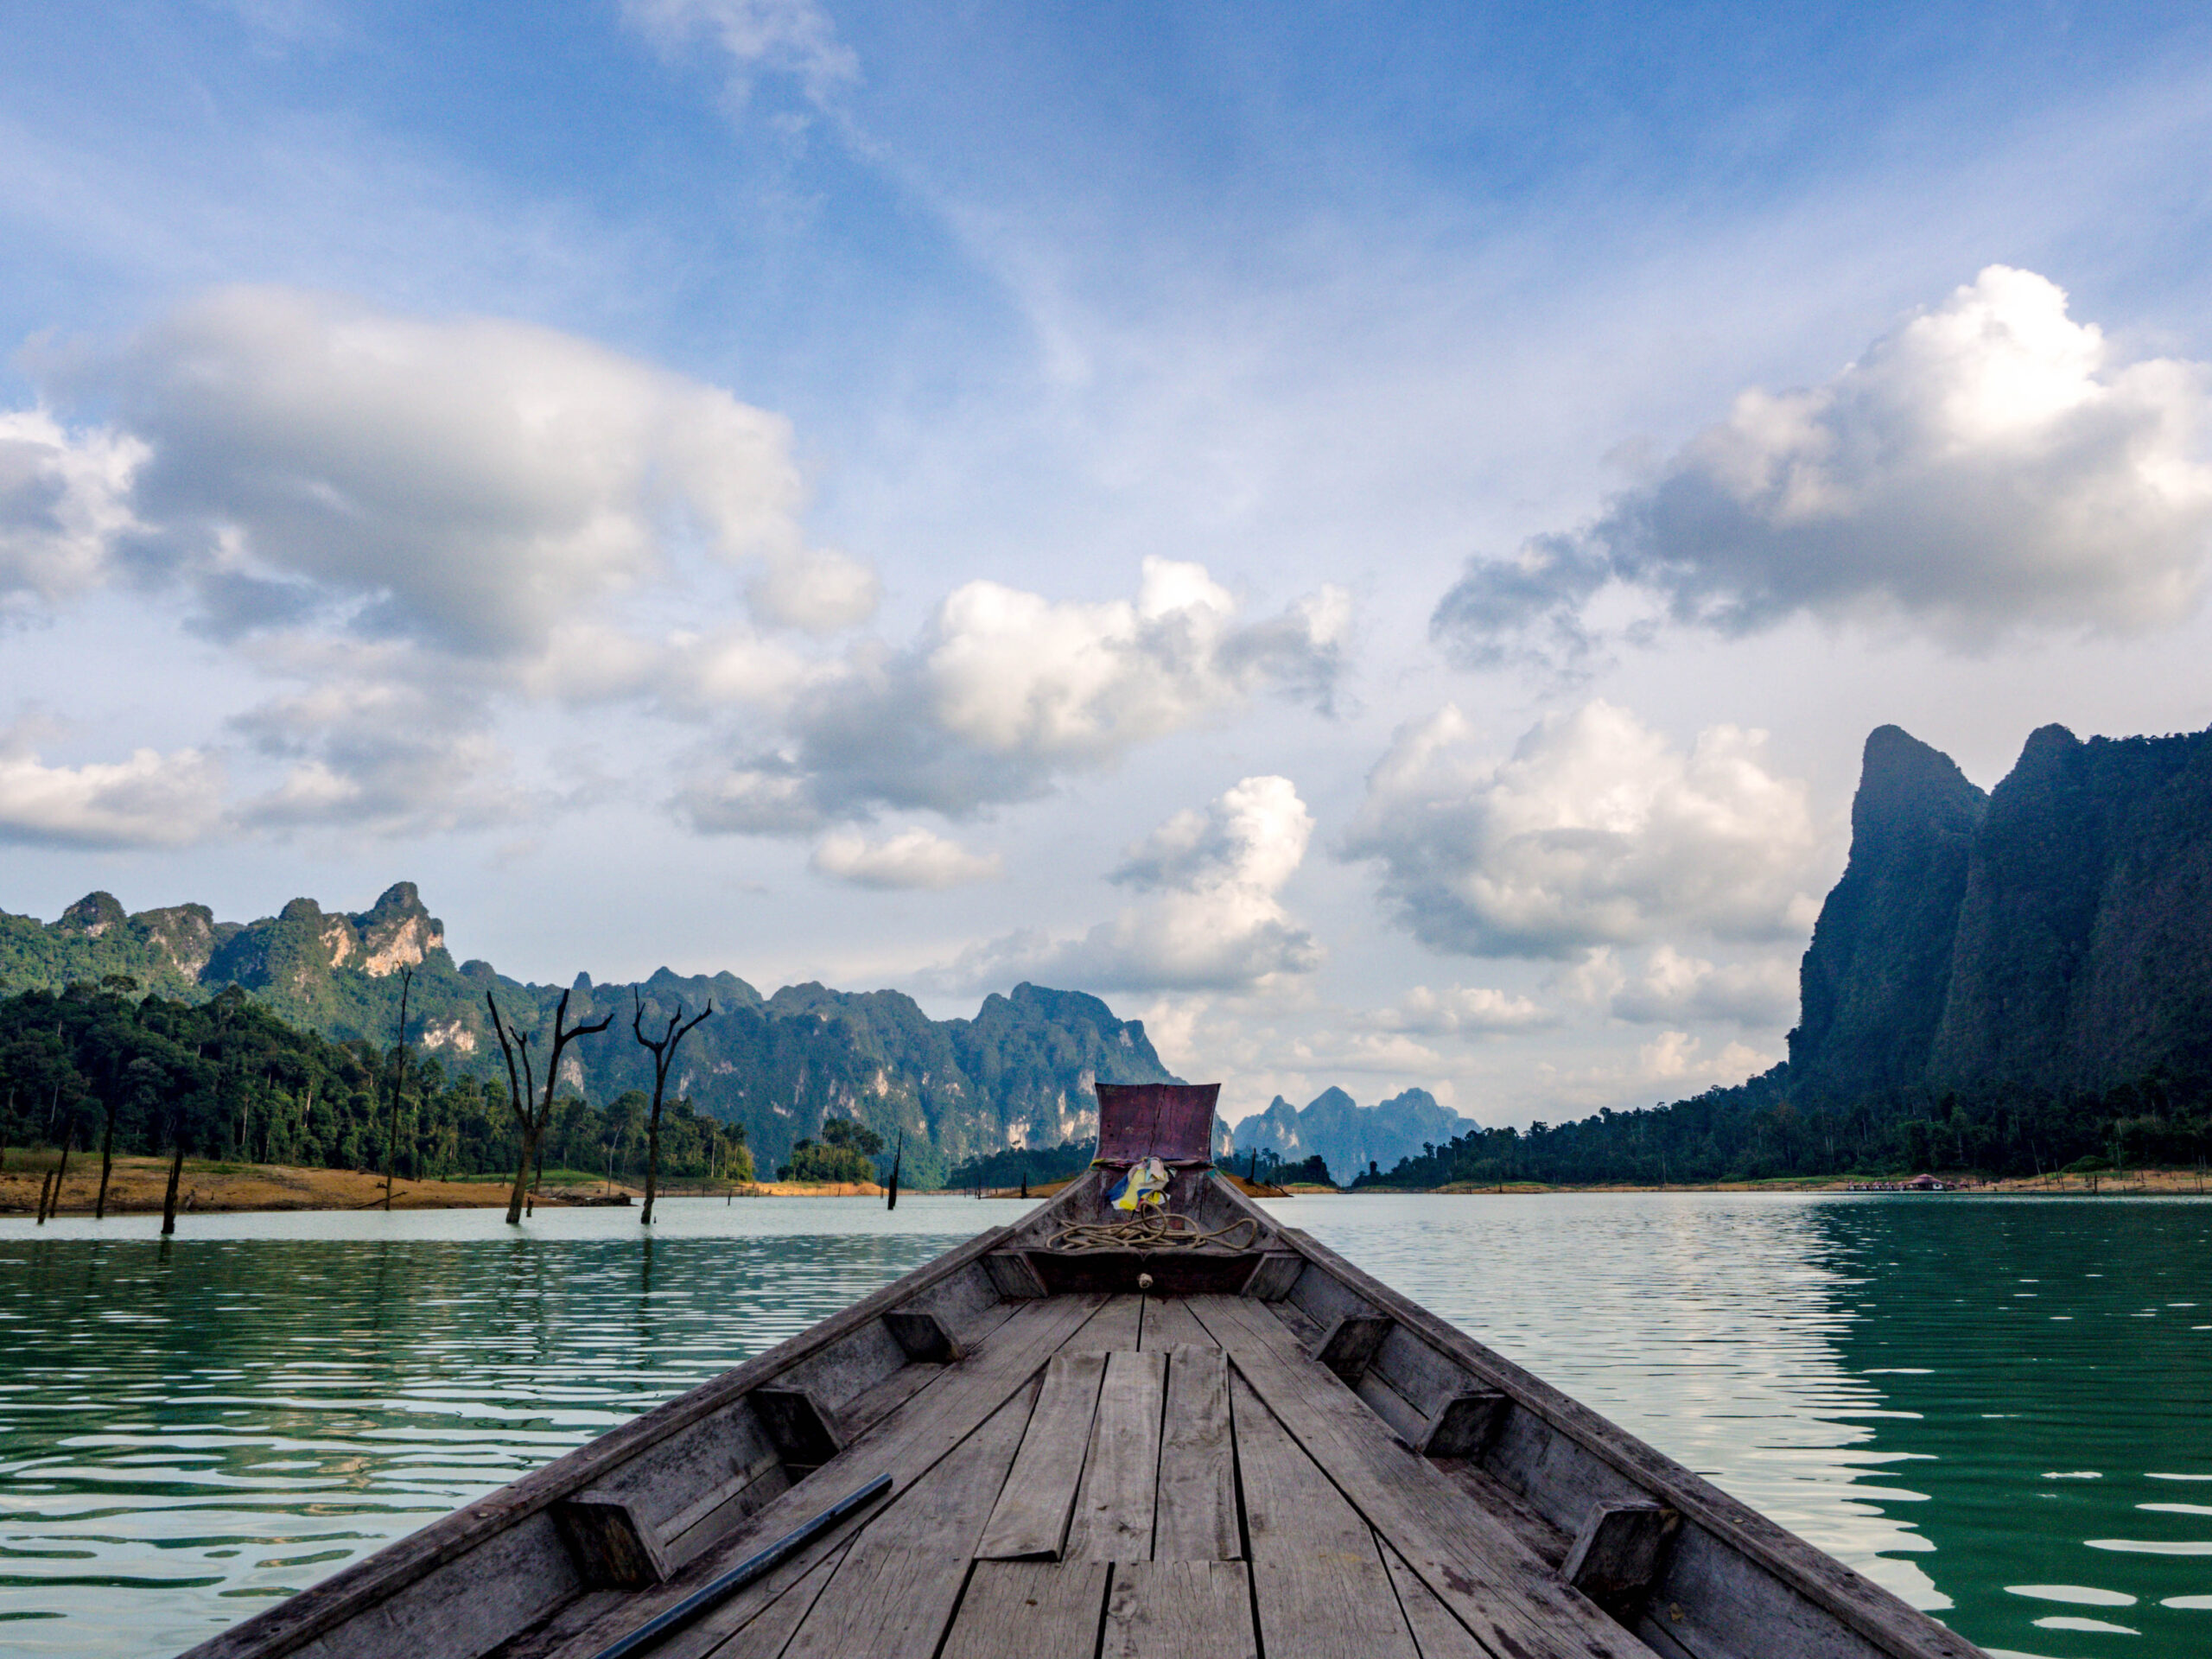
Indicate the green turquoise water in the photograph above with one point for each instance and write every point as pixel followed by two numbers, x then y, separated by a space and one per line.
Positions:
pixel 2001 1410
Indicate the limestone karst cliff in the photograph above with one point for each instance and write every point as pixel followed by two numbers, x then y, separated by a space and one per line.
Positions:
pixel 2056 934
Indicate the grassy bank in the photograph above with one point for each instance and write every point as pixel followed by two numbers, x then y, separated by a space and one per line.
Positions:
pixel 137 1186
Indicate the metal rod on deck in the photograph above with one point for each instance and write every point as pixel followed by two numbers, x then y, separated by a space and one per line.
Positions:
pixel 752 1567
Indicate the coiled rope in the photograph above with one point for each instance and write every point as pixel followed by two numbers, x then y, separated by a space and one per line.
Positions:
pixel 1157 1229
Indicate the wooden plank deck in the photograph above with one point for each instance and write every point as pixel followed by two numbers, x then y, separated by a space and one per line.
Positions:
pixel 1127 1478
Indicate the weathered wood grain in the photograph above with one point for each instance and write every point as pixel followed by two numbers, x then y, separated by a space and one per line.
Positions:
pixel 1404 1420
pixel 1196 1518
pixel 1180 1610
pixel 1550 1544
pixel 1316 1574
pixel 1029 1610
pixel 1030 1520
pixel 888 1603
pixel 611 1550
pixel 1112 1519
pixel 1436 1633
pixel 1277 1272
pixel 1015 1275
pixel 799 1425
pixel 1477 1567
pixel 546 1638
pixel 1619 1554
pixel 923 1338
pixel 1349 1342
pixel 1120 1324
pixel 520 1576
pixel 893 1595
pixel 768 1631
pixel 1462 1425
pixel 1167 1321
pixel 905 1445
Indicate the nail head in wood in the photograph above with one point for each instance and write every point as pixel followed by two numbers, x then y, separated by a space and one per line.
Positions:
pixel 1619 1553
pixel 1347 1346
pixel 922 1337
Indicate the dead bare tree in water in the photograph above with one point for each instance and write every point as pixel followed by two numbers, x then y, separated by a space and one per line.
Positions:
pixel 534 1119
pixel 399 1088
pixel 664 1053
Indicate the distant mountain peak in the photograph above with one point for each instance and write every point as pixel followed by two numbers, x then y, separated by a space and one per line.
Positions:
pixel 1349 1136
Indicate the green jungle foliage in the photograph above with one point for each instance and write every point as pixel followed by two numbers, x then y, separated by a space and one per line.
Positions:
pixel 845 1152
pixel 1015 1165
pixel 1757 1132
pixel 1268 1166
pixel 778 1065
pixel 232 1081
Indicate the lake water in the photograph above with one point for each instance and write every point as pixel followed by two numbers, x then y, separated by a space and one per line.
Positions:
pixel 2001 1410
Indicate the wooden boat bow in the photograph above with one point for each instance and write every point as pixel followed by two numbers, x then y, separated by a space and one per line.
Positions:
pixel 1105 1444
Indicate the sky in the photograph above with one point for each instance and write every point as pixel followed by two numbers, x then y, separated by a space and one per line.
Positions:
pixel 1369 537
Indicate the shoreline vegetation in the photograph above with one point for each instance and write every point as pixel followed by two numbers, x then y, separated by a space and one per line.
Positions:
pixel 137 1184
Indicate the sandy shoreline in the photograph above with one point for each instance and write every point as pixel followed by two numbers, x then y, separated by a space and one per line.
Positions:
pixel 212 1188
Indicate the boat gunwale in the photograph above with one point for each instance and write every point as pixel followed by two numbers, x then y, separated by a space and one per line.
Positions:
pixel 355 1589
pixel 1830 1583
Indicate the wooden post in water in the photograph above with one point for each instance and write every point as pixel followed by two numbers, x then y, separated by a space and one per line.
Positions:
pixel 399 1088
pixel 107 1164
pixel 44 1189
pixel 176 1171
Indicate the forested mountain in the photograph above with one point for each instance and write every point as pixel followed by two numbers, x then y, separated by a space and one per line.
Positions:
pixel 1019 1072
pixel 2011 982
pixel 2056 935
pixel 1347 1136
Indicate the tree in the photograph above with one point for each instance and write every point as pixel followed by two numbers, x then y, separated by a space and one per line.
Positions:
pixel 842 1155
pixel 532 1122
pixel 399 1088
pixel 223 1012
pixel 664 1053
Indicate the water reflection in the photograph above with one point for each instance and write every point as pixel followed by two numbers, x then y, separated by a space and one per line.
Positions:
pixel 2045 1355
pixel 1711 1325
pixel 1995 1408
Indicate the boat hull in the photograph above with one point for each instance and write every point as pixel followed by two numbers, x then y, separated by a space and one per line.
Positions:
pixel 1087 1422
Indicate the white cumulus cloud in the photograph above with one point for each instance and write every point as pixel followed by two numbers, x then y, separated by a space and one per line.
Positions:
pixel 1596 830
pixel 468 484
pixel 1210 917
pixel 1678 1060
pixel 1006 690
pixel 912 858
pixel 1985 465
pixel 1461 1011
pixel 150 800
pixel 65 498
pixel 1675 986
